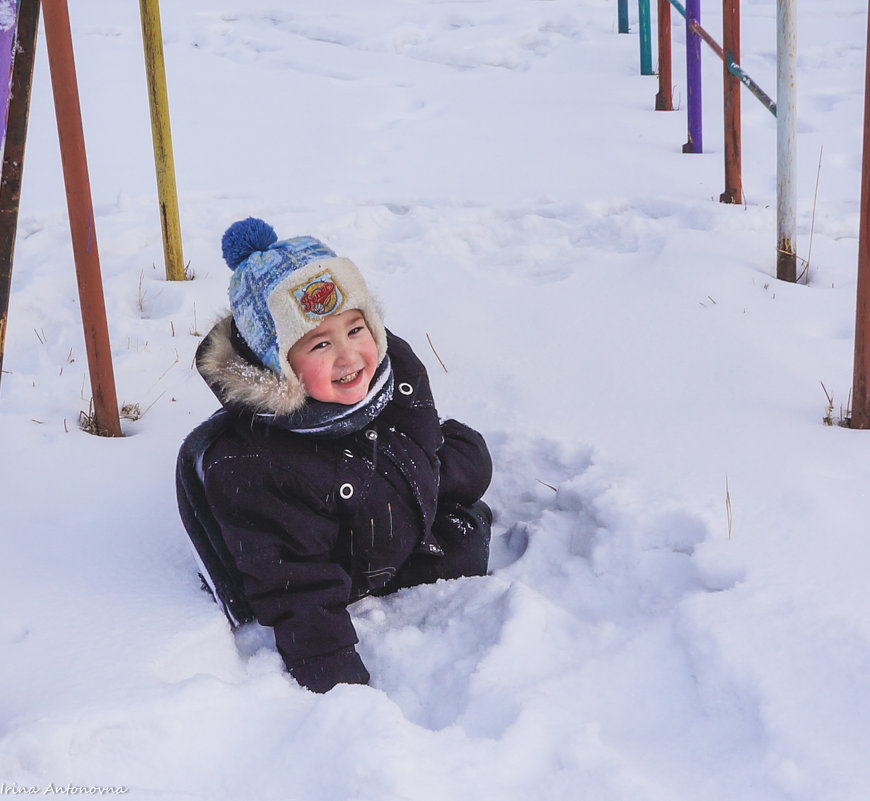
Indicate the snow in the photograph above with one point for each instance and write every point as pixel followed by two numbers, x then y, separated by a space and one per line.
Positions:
pixel 678 602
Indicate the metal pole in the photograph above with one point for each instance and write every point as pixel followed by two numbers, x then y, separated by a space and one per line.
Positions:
pixel 786 140
pixel 664 97
pixel 164 163
pixel 731 45
pixel 860 383
pixel 61 63
pixel 695 142
pixel 7 43
pixel 643 22
pixel 622 15
pixel 13 151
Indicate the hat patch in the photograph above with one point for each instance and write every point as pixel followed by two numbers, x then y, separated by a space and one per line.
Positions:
pixel 319 296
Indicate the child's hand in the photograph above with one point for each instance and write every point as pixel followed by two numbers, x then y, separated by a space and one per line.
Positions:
pixel 321 673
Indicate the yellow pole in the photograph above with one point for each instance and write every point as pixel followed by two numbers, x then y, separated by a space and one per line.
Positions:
pixel 163 161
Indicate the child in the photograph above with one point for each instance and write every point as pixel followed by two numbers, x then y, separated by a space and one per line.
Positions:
pixel 332 477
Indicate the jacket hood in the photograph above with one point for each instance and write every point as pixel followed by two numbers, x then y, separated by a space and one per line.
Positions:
pixel 241 384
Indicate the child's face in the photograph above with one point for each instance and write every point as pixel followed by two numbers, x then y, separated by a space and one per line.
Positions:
pixel 337 360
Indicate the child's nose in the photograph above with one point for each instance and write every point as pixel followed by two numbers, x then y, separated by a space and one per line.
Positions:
pixel 342 351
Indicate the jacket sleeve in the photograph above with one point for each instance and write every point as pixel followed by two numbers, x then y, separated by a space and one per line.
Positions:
pixel 466 466
pixel 282 549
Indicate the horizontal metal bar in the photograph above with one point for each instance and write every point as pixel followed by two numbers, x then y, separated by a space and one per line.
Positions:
pixel 679 8
pixel 734 68
pixel 695 27
pixel 752 86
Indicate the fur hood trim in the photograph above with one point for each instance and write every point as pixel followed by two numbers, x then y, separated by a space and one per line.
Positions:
pixel 237 382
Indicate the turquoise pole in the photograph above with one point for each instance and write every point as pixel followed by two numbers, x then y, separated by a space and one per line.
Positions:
pixel 643 15
pixel 622 15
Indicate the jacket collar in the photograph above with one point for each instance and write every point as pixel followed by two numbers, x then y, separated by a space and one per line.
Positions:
pixel 317 418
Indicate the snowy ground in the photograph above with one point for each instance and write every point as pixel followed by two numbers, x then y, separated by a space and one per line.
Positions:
pixel 497 171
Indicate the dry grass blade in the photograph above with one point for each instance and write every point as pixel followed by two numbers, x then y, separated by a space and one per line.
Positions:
pixel 828 419
pixel 436 352
pixel 195 330
pixel 140 300
pixel 131 411
pixel 806 270
pixel 88 421
pixel 728 506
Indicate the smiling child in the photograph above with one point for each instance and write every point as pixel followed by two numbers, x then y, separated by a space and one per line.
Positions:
pixel 332 476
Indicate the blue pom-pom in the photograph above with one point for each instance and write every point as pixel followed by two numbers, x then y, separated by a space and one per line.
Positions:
pixel 245 237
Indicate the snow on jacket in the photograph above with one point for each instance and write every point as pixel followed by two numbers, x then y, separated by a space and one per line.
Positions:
pixel 317 522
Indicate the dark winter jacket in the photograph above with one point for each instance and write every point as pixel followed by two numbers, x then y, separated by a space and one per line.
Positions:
pixel 316 521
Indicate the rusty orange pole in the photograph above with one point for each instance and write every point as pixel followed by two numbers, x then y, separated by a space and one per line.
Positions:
pixel 731 45
pixel 860 386
pixel 61 64
pixel 664 97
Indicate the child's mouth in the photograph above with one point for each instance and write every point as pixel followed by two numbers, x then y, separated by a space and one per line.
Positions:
pixel 349 378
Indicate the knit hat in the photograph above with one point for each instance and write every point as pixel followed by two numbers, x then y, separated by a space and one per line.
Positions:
pixel 282 290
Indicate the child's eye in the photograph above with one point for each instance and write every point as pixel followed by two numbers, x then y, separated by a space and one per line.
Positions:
pixel 320 345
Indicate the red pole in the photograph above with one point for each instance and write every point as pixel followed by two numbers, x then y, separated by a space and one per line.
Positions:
pixel 13 152
pixel 860 387
pixel 731 45
pixel 61 63
pixel 664 97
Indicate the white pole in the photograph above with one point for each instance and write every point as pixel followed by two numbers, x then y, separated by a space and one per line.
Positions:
pixel 786 139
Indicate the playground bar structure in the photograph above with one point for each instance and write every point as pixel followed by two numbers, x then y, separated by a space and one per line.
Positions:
pixel 18 34
pixel 733 76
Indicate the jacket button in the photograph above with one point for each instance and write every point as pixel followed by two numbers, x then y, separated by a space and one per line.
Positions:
pixel 371 434
pixel 405 388
pixel 345 490
pixel 349 453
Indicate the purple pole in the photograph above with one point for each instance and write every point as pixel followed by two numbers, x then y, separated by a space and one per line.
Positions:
pixel 693 78
pixel 8 22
